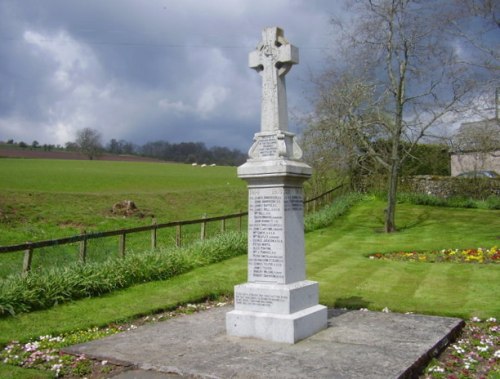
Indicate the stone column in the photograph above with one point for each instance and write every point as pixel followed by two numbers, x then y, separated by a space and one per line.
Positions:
pixel 277 303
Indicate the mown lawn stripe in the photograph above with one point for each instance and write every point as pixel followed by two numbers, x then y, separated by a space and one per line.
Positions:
pixel 483 287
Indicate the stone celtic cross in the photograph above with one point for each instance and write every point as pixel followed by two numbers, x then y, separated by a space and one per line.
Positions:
pixel 273 59
pixel 277 303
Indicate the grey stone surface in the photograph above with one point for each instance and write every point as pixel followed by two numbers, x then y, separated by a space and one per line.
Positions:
pixel 356 344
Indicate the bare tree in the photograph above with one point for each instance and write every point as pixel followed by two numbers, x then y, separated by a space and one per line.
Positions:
pixel 89 142
pixel 400 76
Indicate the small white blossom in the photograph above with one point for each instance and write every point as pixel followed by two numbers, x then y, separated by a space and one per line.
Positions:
pixel 386 310
pixel 475 319
pixel 436 369
pixel 32 346
pixel 492 319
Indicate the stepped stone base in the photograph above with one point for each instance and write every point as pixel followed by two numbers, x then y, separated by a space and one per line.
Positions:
pixel 289 328
pixel 276 312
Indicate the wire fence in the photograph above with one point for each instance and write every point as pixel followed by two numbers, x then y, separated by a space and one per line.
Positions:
pixel 100 246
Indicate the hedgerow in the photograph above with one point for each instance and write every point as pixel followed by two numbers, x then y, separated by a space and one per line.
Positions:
pixel 45 288
pixel 491 202
pixel 328 214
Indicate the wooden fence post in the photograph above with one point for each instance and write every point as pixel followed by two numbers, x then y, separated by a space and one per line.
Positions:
pixel 178 236
pixel 203 228
pixel 240 222
pixel 223 225
pixel 121 245
pixel 153 235
pixel 83 247
pixel 28 256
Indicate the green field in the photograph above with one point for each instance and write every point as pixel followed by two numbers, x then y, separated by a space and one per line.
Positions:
pixel 49 199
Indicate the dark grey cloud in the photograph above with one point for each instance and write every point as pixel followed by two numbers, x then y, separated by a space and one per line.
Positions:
pixel 147 70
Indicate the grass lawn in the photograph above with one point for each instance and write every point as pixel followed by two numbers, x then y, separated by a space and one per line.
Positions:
pixel 336 258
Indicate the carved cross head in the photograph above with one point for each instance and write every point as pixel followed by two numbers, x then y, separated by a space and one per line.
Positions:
pixel 274 52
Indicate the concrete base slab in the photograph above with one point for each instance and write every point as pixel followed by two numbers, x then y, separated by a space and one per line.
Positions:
pixel 356 344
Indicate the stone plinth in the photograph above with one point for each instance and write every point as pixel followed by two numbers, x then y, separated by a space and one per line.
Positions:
pixel 278 303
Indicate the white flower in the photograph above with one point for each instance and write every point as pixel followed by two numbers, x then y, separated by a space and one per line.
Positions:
pixel 497 354
pixel 475 319
pixel 482 348
pixel 32 346
pixel 492 319
pixel 436 369
pixel 386 310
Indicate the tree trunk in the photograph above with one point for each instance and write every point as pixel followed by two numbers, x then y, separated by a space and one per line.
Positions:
pixel 390 212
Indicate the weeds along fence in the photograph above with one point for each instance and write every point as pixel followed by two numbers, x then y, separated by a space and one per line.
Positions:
pixel 98 246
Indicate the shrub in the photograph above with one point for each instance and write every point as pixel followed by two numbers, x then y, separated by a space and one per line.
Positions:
pixel 492 202
pixel 46 288
pixel 327 215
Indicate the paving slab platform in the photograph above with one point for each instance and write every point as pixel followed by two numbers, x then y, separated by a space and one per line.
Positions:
pixel 356 344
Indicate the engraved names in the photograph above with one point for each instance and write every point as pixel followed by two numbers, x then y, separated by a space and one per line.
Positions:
pixel 268 146
pixel 267 209
pixel 259 299
pixel 266 234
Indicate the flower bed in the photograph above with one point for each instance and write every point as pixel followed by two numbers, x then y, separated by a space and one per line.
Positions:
pixel 479 255
pixel 475 355
pixel 44 353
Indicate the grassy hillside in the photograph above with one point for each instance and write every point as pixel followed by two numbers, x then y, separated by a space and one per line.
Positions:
pixel 43 199
pixel 48 199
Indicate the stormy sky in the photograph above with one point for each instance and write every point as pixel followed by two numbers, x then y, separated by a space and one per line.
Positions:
pixel 174 70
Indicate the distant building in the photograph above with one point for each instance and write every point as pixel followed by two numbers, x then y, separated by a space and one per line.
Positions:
pixel 477 147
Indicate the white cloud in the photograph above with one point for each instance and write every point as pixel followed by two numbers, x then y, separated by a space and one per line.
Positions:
pixel 73 61
pixel 211 98
pixel 140 71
